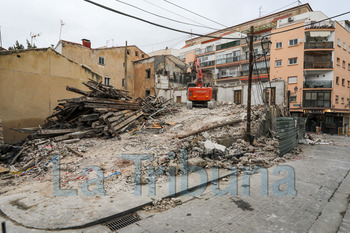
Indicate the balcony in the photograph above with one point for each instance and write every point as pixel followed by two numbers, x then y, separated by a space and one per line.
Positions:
pixel 318 84
pixel 228 45
pixel 205 50
pixel 207 63
pixel 328 24
pixel 319 45
pixel 255 71
pixel 318 64
pixel 318 60
pixel 231 59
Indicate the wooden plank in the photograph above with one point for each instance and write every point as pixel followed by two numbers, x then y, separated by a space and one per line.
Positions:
pixel 76 90
pixel 56 131
pixel 233 122
pixel 90 117
pixel 127 121
pixel 3 170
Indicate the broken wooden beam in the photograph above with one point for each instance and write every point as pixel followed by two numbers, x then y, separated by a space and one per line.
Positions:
pixel 206 128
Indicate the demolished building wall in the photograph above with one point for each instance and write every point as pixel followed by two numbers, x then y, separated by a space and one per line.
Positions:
pixel 163 74
pixel 31 83
pixel 109 62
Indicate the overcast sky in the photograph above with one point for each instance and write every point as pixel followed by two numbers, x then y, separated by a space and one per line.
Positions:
pixel 20 18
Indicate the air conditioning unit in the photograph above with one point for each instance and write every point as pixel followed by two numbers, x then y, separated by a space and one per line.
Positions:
pixel 290 19
pixel 300 41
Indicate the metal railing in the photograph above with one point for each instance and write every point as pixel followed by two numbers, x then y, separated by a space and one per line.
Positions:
pixel 319 25
pixel 318 64
pixel 319 45
pixel 318 84
pixel 255 71
pixel 207 63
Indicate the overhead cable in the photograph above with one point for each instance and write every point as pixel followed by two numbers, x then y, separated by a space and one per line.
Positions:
pixel 194 13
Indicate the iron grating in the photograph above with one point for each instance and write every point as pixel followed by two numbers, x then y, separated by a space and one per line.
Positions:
pixel 122 222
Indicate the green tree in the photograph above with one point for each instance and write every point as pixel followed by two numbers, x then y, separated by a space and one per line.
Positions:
pixel 18 46
pixel 30 46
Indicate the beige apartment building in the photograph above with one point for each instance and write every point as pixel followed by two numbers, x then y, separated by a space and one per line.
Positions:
pixel 308 51
pixel 114 64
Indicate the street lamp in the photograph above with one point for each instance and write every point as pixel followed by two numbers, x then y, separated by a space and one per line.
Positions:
pixel 265 45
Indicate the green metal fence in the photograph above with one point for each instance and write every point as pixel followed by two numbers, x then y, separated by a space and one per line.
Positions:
pixel 290 131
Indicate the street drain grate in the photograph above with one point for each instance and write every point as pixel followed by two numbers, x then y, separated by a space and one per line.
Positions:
pixel 122 222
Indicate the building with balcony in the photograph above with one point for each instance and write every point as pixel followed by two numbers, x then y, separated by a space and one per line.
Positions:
pixel 314 60
pixel 309 52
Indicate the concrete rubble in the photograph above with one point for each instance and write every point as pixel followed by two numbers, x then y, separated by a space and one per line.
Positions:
pixel 221 147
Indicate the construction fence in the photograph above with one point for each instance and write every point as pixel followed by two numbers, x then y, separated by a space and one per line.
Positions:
pixel 290 131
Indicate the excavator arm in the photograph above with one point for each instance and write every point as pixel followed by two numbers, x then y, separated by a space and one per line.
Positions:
pixel 200 74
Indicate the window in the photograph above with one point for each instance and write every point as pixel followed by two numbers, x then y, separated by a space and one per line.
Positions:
pixel 148 92
pixel 338 43
pixel 123 82
pixel 344 46
pixel 101 60
pixel 278 63
pixel 278 45
pixel 136 53
pixel 349 49
pixel 336 99
pixel 343 64
pixel 293 98
pixel 128 52
pixel 338 61
pixel 143 55
pixel 317 99
pixel 342 100
pixel 148 73
pixel 348 83
pixel 293 61
pixel 337 80
pixel 293 79
pixel 293 42
pixel 343 82
pixel 349 66
pixel 107 81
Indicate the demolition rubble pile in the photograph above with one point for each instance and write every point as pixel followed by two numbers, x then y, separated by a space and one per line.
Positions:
pixel 102 111
pixel 207 138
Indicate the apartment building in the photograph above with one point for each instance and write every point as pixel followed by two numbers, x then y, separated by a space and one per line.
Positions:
pixel 114 64
pixel 312 57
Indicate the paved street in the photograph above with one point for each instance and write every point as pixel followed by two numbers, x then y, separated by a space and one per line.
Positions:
pixel 321 204
pixel 323 187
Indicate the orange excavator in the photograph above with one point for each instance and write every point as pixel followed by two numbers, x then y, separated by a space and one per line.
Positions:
pixel 197 93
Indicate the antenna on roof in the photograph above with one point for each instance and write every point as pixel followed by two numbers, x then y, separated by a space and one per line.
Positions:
pixel 62 24
pixel 0 38
pixel 260 12
pixel 34 36
pixel 299 3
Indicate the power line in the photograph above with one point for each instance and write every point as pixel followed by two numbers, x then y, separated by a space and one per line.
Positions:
pixel 173 12
pixel 163 16
pixel 182 37
pixel 158 25
pixel 282 8
pixel 194 13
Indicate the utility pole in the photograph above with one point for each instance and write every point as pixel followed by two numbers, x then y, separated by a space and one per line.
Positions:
pixel 251 38
pixel 126 66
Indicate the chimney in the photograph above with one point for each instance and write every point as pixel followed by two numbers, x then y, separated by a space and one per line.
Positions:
pixel 86 43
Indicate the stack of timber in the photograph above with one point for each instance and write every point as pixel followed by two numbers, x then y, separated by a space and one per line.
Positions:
pixel 102 111
pixel 152 105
